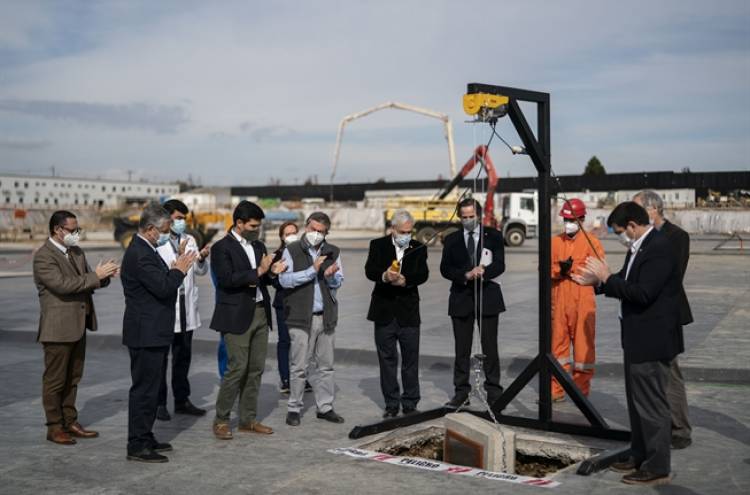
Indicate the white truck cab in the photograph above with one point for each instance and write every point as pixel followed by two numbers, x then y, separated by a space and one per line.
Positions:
pixel 520 216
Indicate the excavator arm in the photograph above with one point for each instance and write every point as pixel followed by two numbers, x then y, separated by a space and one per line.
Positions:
pixel 481 154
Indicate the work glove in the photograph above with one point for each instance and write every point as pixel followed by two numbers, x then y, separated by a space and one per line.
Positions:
pixel 565 266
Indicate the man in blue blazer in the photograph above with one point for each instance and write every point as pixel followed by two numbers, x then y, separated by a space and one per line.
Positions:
pixel 648 287
pixel 150 288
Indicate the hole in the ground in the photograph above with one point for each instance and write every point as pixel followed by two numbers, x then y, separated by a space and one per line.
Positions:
pixel 429 444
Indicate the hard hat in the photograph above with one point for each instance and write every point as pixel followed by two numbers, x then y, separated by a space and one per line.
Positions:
pixel 573 208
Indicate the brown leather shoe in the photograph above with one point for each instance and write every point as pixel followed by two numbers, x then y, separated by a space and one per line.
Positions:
pixel 256 427
pixel 79 431
pixel 222 431
pixel 61 437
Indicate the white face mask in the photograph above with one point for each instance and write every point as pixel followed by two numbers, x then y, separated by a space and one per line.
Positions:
pixel 178 226
pixel 571 228
pixel 291 238
pixel 314 238
pixel 402 240
pixel 71 240
pixel 163 239
pixel 625 240
pixel 469 223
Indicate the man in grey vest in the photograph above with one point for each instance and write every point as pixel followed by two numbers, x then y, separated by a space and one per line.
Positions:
pixel 312 278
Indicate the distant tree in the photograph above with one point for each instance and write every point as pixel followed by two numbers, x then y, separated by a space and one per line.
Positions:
pixel 594 167
pixel 274 181
pixel 380 181
pixel 685 170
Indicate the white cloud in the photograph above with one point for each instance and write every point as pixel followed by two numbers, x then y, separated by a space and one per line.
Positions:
pixel 621 77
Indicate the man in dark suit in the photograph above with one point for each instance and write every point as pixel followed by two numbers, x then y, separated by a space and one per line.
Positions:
pixel 150 288
pixel 473 259
pixel 243 316
pixel 398 265
pixel 680 240
pixel 65 283
pixel 648 287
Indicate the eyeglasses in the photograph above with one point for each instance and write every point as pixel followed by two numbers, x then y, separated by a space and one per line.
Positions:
pixel 76 231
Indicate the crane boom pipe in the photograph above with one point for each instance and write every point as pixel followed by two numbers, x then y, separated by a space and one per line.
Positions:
pixel 447 125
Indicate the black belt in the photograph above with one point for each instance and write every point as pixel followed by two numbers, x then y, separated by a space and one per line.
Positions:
pixel 259 303
pixel 318 313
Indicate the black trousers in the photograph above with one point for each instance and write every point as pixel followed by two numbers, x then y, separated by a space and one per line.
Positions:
pixel 463 333
pixel 650 419
pixel 407 338
pixel 181 356
pixel 146 365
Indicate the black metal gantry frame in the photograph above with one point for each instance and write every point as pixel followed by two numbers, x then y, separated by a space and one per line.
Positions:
pixel 544 364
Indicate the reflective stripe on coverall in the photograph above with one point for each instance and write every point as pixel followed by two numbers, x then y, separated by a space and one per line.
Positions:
pixel 573 312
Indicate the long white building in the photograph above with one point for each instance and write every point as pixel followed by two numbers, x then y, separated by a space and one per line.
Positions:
pixel 32 191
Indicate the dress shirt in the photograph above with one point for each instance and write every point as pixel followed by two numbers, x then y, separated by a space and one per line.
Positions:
pixel 250 252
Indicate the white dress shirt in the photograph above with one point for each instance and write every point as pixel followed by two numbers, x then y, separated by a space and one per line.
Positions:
pixel 634 248
pixel 59 246
pixel 250 252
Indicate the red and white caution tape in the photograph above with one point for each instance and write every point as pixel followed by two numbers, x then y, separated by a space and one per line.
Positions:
pixel 443 467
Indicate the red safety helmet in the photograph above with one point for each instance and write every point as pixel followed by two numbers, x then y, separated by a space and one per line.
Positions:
pixel 572 209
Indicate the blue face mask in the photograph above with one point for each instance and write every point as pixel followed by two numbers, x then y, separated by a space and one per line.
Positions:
pixel 163 239
pixel 402 240
pixel 178 226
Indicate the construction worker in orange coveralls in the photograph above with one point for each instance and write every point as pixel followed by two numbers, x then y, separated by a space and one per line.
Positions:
pixel 573 305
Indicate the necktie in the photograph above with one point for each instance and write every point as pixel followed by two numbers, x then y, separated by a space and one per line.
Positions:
pixel 472 249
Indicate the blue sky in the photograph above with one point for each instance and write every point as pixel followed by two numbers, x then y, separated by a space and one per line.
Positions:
pixel 239 92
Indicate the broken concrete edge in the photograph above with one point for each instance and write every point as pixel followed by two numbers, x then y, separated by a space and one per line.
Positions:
pixel 726 376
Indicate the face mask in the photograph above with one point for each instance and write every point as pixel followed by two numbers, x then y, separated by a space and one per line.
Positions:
pixel 163 239
pixel 402 240
pixel 290 239
pixel 178 226
pixel 571 228
pixel 71 240
pixel 625 240
pixel 250 235
pixel 314 238
pixel 469 223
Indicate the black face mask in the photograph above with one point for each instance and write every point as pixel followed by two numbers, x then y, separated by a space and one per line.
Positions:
pixel 250 235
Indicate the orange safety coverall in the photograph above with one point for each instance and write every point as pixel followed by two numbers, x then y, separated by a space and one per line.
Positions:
pixel 573 311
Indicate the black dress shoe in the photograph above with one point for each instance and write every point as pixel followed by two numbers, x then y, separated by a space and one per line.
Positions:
pixel 645 478
pixel 626 466
pixel 284 387
pixel 456 402
pixel 679 443
pixel 162 447
pixel 147 455
pixel 330 416
pixel 390 413
pixel 187 407
pixel 292 418
pixel 162 414
pixel 408 411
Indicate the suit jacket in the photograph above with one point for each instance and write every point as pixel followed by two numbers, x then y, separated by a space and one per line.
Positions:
pixel 65 287
pixel 680 241
pixel 650 327
pixel 389 301
pixel 237 283
pixel 150 288
pixel 456 262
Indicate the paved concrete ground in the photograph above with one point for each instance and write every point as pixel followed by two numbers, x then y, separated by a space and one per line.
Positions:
pixel 295 460
pixel 716 364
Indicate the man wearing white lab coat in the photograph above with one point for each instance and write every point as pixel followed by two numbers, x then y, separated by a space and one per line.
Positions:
pixel 186 311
